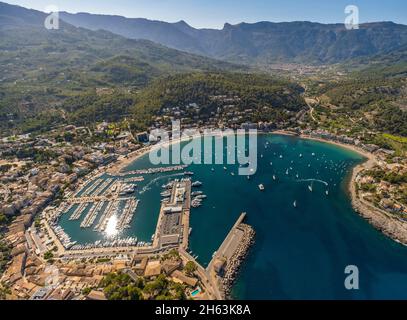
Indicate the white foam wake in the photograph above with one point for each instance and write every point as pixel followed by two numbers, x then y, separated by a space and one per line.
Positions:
pixel 316 180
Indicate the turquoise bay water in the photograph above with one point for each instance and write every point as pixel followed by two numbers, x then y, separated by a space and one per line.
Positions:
pixel 300 253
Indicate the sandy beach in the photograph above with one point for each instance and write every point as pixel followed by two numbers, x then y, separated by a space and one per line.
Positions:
pixel 125 161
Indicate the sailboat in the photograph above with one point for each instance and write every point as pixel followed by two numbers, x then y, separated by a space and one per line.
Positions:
pixel 274 177
pixel 295 204
pixel 310 187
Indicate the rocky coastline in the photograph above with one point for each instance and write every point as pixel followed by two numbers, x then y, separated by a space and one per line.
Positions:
pixel 382 221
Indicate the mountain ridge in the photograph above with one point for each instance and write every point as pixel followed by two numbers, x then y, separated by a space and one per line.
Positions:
pixel 258 43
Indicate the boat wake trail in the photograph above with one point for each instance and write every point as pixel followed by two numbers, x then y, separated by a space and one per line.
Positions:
pixel 316 180
pixel 148 185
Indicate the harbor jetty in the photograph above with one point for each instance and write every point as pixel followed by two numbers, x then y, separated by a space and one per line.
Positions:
pixel 233 265
pixel 152 170
pixel 226 261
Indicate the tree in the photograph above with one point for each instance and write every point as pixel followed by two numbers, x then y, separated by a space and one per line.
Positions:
pixel 48 255
pixel 173 254
pixel 190 268
pixel 134 293
pixel 37 223
pixel 179 291
pixel 86 291
pixel 3 219
pixel 121 287
pixel 4 291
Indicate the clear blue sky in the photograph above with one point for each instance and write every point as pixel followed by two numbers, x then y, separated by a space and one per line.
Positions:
pixel 214 13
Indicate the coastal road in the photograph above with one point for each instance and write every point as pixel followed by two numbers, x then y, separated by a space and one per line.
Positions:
pixel 309 102
pixel 211 286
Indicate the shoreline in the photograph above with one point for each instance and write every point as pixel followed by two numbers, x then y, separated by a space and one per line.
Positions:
pixel 125 161
pixel 382 221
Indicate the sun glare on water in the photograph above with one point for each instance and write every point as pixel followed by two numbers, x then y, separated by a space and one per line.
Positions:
pixel 111 227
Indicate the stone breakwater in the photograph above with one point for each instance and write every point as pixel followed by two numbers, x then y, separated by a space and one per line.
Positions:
pixel 233 265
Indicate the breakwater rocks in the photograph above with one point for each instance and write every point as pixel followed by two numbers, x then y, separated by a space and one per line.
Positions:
pixel 233 265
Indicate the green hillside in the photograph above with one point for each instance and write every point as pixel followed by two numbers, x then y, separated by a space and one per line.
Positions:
pixel 42 69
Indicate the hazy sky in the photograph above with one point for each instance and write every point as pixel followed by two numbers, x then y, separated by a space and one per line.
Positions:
pixel 214 13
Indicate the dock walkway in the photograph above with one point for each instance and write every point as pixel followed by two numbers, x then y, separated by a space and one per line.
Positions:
pixel 230 244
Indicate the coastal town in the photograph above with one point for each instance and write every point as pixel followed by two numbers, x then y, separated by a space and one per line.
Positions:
pixel 48 175
pixel 37 245
pixel 197 156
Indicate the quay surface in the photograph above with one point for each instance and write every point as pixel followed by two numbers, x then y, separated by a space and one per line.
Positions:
pixel 180 236
pixel 230 244
pixel 152 170
pixel 226 261
pixel 95 199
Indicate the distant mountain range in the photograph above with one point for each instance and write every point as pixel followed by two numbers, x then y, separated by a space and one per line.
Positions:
pixel 262 42
pixel 22 34
pixel 257 43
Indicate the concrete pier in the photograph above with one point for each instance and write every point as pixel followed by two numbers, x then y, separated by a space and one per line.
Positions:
pixel 173 221
pixel 229 245
pixel 225 264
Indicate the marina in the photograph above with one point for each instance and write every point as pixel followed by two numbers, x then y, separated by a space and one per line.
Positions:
pixel 92 214
pixel 283 227
pixel 108 207
pixel 106 215
pixel 78 211
pixel 127 214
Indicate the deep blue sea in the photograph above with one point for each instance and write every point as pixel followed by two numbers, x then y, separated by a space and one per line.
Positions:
pixel 300 252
